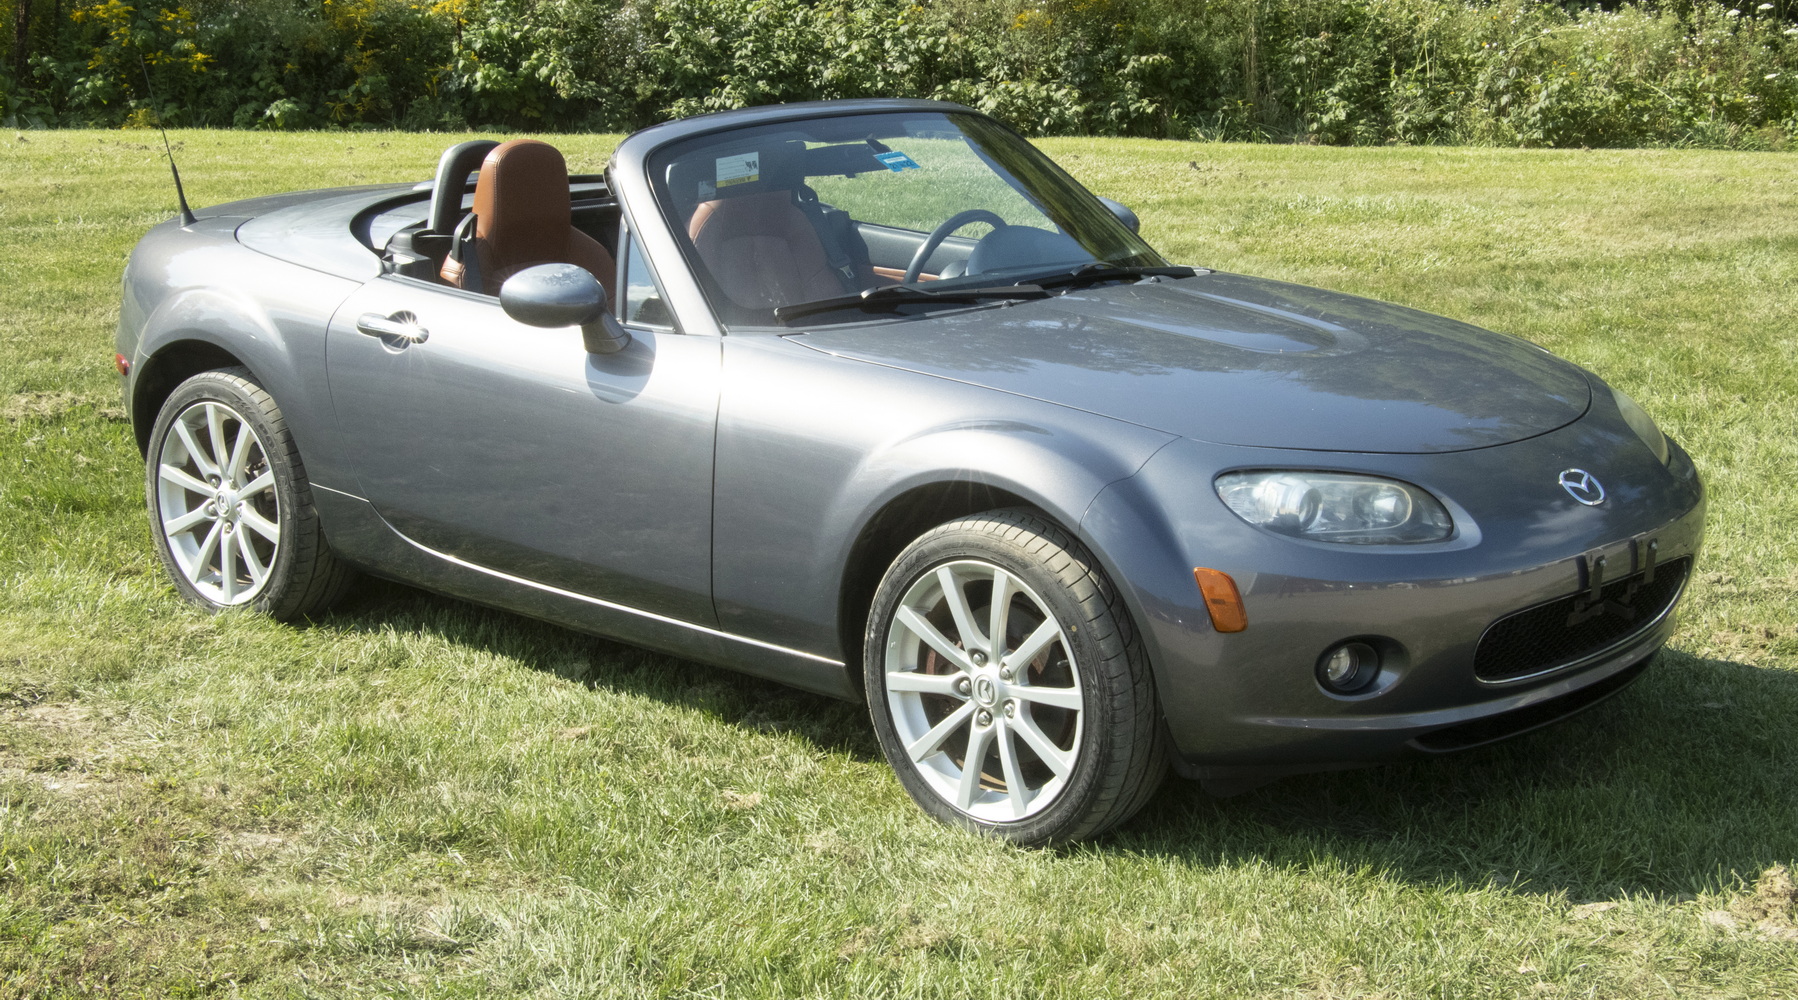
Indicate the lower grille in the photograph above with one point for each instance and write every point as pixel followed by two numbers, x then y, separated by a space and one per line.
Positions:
pixel 1541 638
pixel 1518 721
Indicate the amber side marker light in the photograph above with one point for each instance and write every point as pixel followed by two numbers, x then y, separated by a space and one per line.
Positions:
pixel 1221 599
pixel 122 363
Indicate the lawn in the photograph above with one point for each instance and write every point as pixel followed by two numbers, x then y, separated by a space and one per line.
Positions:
pixel 418 797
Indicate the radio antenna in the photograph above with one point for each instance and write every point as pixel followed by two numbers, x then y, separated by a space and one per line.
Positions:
pixel 187 214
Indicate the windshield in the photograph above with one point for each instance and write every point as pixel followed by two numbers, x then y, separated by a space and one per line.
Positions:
pixel 799 212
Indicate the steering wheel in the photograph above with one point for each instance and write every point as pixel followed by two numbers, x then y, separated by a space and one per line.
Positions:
pixel 941 233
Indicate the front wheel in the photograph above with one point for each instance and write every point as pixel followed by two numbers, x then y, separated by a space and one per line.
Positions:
pixel 1006 683
pixel 230 505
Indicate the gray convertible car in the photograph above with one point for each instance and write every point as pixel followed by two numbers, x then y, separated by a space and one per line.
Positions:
pixel 873 399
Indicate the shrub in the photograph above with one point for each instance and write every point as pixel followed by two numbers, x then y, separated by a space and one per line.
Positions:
pixel 1526 72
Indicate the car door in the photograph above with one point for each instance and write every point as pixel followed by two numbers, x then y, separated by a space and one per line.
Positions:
pixel 511 447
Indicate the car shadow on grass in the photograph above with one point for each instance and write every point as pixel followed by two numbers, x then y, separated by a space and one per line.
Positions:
pixel 1684 780
pixel 832 725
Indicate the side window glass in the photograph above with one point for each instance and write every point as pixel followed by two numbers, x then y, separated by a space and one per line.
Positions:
pixel 644 304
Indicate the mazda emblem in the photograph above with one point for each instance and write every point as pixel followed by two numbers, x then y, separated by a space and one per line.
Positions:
pixel 1583 486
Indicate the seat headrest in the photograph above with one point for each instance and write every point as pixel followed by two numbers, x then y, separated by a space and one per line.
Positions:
pixel 522 183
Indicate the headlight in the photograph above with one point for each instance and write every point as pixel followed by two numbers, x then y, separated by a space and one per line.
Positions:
pixel 1335 507
pixel 1640 422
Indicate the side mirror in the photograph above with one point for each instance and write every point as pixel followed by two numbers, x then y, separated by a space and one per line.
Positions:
pixel 556 295
pixel 1125 216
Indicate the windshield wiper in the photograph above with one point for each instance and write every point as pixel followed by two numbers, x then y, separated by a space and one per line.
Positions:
pixel 1034 287
pixel 1091 274
pixel 896 295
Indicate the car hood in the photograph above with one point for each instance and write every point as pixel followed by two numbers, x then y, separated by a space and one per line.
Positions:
pixel 1245 361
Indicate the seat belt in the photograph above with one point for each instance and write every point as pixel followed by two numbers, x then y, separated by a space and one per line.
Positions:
pixel 463 251
pixel 835 253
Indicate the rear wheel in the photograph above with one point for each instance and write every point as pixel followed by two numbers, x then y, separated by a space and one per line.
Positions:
pixel 1006 683
pixel 230 504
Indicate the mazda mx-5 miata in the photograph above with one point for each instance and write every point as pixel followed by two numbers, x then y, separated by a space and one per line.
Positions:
pixel 873 399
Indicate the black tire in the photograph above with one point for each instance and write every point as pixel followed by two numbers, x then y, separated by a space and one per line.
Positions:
pixel 1117 742
pixel 271 527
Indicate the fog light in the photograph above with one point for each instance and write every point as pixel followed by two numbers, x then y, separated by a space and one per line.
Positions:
pixel 1349 667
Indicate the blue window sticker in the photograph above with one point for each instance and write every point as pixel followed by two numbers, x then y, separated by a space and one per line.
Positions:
pixel 897 161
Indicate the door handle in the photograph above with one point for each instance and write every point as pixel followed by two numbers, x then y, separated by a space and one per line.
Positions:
pixel 400 326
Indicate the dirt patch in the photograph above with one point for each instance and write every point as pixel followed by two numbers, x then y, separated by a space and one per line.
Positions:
pixel 62 747
pixel 919 934
pixel 58 715
pixel 42 725
pixel 1775 893
pixel 58 725
pixel 1769 910
pixel 259 851
pixel 736 801
pixel 835 846
pixel 259 840
pixel 923 937
pixel 1772 908
pixel 245 845
pixel 863 939
pixel 76 783
pixel 22 406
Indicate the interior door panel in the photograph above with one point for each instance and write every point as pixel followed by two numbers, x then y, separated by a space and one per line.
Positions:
pixel 891 248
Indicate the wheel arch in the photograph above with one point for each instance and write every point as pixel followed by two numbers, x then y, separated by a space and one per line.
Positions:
pixel 272 322
pixel 1055 483
pixel 897 524
pixel 196 329
pixel 160 373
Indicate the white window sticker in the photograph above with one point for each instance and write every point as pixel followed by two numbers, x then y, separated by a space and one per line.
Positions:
pixel 743 168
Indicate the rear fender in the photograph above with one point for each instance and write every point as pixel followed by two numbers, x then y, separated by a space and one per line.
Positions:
pixel 279 335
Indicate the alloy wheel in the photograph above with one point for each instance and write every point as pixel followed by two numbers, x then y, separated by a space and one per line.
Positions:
pixel 217 506
pixel 984 692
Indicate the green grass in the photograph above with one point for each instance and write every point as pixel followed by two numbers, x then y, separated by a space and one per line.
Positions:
pixel 417 797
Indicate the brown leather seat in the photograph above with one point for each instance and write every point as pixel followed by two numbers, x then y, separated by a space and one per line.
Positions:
pixel 761 247
pixel 762 250
pixel 521 209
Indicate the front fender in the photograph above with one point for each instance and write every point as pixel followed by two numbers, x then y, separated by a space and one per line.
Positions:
pixel 813 449
pixel 1056 468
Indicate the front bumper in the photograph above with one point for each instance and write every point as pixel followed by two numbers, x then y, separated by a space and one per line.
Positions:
pixel 1249 703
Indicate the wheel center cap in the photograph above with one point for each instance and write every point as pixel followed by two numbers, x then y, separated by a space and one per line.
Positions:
pixel 985 691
